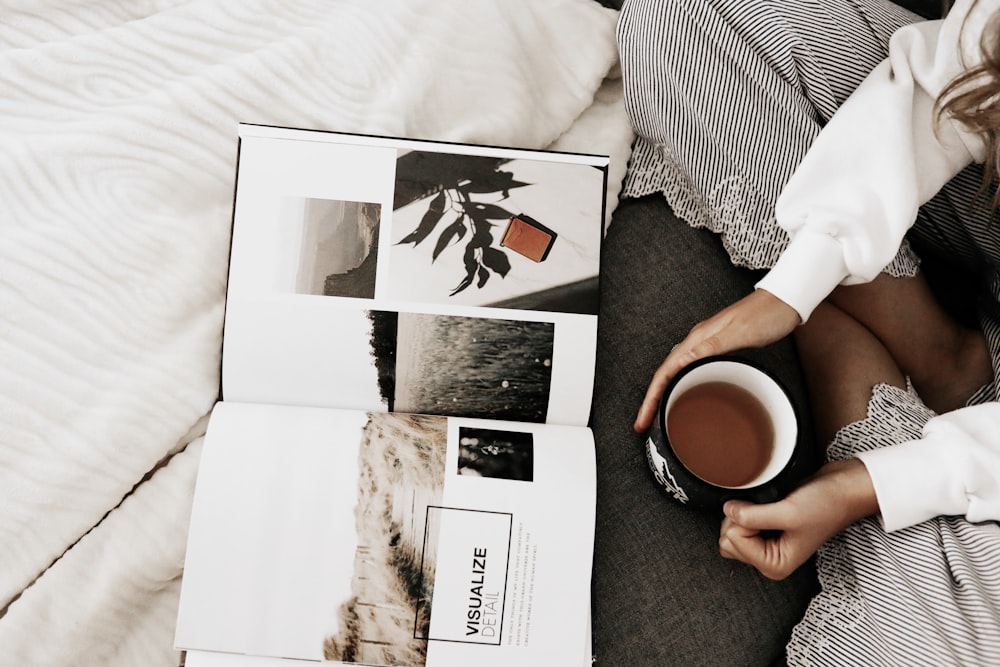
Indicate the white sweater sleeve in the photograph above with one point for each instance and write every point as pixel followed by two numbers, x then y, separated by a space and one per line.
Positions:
pixel 882 155
pixel 954 469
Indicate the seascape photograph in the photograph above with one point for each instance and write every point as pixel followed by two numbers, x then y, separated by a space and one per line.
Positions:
pixel 339 247
pixel 490 231
pixel 463 366
pixel 401 465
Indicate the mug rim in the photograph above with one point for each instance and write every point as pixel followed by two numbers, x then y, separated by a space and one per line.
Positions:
pixel 796 414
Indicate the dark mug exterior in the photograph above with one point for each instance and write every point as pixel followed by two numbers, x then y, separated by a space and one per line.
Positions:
pixel 783 472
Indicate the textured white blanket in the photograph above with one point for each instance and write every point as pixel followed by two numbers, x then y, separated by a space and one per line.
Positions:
pixel 117 149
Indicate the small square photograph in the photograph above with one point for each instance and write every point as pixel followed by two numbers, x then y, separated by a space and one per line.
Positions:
pixel 339 246
pixel 485 452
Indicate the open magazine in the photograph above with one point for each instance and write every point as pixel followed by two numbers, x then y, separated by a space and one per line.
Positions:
pixel 399 471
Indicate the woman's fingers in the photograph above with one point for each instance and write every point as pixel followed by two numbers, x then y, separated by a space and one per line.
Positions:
pixel 644 419
pixel 679 357
pixel 732 539
pixel 770 516
pixel 757 319
pixel 703 341
pixel 774 554
pixel 776 538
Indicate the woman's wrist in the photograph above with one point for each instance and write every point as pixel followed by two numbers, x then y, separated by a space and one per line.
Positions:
pixel 855 489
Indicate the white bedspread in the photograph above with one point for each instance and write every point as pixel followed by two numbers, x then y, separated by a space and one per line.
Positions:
pixel 117 149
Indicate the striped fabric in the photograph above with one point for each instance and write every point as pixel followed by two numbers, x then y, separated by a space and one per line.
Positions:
pixel 725 97
pixel 925 595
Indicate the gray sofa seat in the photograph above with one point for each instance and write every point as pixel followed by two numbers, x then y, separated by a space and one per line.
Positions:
pixel 662 594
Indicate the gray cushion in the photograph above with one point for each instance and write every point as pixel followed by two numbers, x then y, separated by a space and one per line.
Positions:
pixel 662 594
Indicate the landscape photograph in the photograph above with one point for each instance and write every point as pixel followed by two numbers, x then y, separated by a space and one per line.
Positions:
pixel 401 466
pixel 339 247
pixel 463 366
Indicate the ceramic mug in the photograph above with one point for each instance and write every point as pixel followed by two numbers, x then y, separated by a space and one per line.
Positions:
pixel 780 467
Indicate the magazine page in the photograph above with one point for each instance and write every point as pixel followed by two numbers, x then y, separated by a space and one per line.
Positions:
pixel 217 659
pixel 398 275
pixel 389 539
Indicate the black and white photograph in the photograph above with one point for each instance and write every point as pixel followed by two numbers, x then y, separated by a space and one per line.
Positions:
pixel 463 366
pixel 496 453
pixel 385 620
pixel 492 231
pixel 339 246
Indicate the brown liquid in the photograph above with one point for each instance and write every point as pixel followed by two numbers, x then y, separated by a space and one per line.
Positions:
pixel 721 433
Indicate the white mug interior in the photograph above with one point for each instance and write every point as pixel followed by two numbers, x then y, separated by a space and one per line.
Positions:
pixel 768 392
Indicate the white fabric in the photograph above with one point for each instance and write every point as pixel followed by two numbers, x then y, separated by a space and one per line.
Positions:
pixel 118 131
pixel 878 159
pixel 953 469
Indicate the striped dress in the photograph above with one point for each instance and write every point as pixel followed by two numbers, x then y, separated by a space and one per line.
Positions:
pixel 725 97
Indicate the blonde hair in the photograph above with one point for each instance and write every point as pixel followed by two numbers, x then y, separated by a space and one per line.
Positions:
pixel 973 99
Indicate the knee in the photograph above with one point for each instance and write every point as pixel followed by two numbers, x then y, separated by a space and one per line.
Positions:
pixel 645 26
pixel 675 33
pixel 652 43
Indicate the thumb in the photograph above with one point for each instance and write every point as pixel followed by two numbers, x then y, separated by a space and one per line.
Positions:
pixel 770 516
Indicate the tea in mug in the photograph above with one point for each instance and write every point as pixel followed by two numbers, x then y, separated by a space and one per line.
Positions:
pixel 721 432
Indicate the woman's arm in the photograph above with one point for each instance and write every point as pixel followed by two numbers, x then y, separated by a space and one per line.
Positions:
pixel 857 191
pixel 882 155
pixel 778 537
pixel 954 469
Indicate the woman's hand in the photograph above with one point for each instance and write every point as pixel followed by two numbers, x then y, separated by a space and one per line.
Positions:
pixel 755 320
pixel 778 537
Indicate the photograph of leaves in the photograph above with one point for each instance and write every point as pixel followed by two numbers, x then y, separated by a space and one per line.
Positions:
pixel 451 181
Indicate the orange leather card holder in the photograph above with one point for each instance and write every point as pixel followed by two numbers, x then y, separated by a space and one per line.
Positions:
pixel 526 236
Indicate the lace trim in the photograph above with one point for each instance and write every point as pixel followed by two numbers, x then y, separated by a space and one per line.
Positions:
pixel 838 607
pixel 731 208
pixel 839 610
